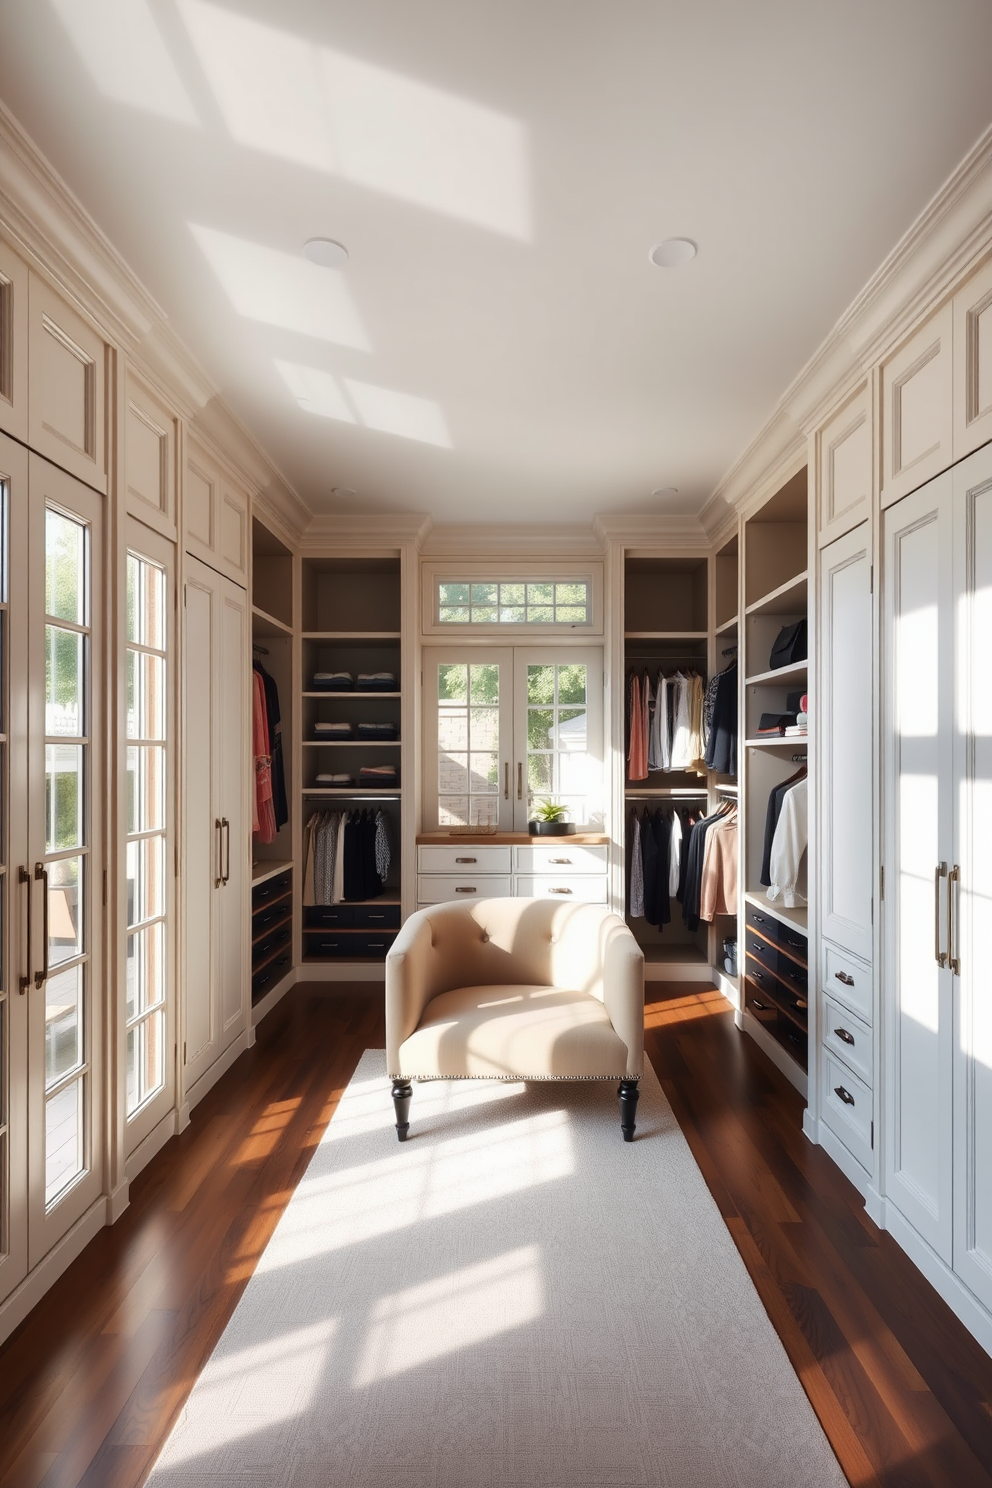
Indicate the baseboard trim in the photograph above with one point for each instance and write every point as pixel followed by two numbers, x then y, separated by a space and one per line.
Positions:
pixel 962 1302
pixel 152 1145
pixel 730 989
pixel 48 1270
pixel 678 971
pixel 118 1200
pixel 811 1127
pixel 846 1161
pixel 780 1059
pixel 341 971
pixel 220 1067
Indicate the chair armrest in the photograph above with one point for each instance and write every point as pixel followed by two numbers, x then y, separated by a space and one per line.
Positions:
pixel 409 985
pixel 623 993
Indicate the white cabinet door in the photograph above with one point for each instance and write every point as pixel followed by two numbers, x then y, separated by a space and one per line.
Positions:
pixel 919 672
pixel 971 905
pixel 846 742
pixel 216 847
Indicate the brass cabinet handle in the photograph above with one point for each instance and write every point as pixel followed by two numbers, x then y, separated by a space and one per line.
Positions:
pixel 520 782
pixel 559 891
pixel 24 982
pixel 473 890
pixel 41 874
pixel 506 781
pixel 953 961
pixel 844 1036
pixel 845 1095
pixel 466 860
pixel 227 850
pixel 760 1005
pixel 845 977
pixel 219 833
pixel 938 873
pixel 559 862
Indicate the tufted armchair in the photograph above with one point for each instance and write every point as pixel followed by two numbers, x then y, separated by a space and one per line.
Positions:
pixel 515 989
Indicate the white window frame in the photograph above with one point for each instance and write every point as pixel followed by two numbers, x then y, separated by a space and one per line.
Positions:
pixel 509 571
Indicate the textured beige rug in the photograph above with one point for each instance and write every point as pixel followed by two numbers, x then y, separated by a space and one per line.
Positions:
pixel 515 1298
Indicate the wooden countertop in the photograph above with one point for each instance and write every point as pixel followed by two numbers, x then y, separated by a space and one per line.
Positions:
pixel 500 839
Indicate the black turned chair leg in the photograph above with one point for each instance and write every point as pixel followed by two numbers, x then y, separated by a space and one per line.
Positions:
pixel 628 1093
pixel 402 1095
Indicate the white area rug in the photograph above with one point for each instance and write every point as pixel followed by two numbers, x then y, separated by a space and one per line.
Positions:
pixel 515 1298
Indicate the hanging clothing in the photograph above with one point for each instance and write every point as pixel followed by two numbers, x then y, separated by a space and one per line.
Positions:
pixel 337 880
pixel 718 881
pixel 721 748
pixel 680 724
pixel 675 855
pixel 636 900
pixel 308 883
pixel 263 816
pixel 383 846
pixel 697 749
pixel 772 812
pixel 789 847
pixel 637 755
pixel 280 804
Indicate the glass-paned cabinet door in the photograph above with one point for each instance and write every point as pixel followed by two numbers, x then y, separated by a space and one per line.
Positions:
pixel 505 728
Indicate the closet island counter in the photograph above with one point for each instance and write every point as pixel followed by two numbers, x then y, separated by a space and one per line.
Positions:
pixel 504 839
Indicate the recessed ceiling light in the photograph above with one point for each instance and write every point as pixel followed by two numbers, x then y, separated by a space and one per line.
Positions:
pixel 673 253
pixel 663 492
pixel 326 252
pixel 343 492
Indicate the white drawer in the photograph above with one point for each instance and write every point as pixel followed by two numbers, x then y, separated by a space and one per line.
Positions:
pixel 848 980
pixel 847 1108
pixel 560 858
pixel 468 858
pixel 848 1038
pixel 439 888
pixel 587 889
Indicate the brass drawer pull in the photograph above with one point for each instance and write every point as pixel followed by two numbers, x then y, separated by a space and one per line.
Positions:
pixel 759 1005
pixel 938 955
pixel 844 1036
pixel 559 862
pixel 466 860
pixel 559 891
pixel 845 977
pixel 845 1095
pixel 473 890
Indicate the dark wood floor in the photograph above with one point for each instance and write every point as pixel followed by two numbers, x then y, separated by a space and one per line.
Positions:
pixel 93 1380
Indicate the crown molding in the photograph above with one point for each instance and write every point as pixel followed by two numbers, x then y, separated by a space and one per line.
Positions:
pixel 230 440
pixel 352 530
pixel 464 540
pixel 650 530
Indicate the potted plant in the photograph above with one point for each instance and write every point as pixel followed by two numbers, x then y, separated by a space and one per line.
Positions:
pixel 549 819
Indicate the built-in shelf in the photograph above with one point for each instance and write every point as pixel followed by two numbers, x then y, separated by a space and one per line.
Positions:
pixel 667 793
pixel 361 793
pixel 262 871
pixel 780 675
pixel 379 901
pixel 788 599
pixel 779 742
pixel 266 1001
pixel 351 743
pixel 372 636
pixel 264 624
pixel 366 692
pixel 664 635
pixel 797 918
pixel 726 626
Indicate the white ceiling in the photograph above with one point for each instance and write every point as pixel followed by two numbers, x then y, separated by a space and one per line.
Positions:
pixel 499 347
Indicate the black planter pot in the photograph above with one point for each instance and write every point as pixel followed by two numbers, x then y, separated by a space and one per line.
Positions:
pixel 550 829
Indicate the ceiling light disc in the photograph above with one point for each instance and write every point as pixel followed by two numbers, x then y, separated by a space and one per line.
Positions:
pixel 663 492
pixel 325 252
pixel 343 493
pixel 673 253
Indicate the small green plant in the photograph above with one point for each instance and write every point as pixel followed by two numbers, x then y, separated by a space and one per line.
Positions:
pixel 550 811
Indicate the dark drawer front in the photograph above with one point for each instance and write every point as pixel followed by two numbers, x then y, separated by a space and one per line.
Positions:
pixel 270 914
pixel 376 916
pixel 273 888
pixel 784 996
pixel 793 942
pixel 265 947
pixel 329 917
pixel 349 944
pixel 761 950
pixel 274 972
pixel 793 975
pixel 782 1029
pixel 375 942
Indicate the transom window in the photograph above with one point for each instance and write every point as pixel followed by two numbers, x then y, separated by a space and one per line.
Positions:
pixel 514 602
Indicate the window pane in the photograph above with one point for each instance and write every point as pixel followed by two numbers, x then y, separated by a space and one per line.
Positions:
pixel 484 773
pixel 145 879
pixel 145 696
pixel 540 774
pixel 63 1140
pixel 483 594
pixel 145 969
pixel 145 787
pixel 452 811
pixel 485 615
pixel 572 615
pixel 540 727
pixel 540 616
pixel 483 810
pixel 452 683
pixel 571 684
pixel 145 603
pixel 452 729
pixel 64 796
pixel 485 728
pixel 453 594
pixel 540 684
pixel 454 615
pixel 513 616
pixel 452 774
pixel 63 1024
pixel 63 681
pixel 65 568
pixel 65 910
pixel 485 683
pixel 515 602
pixel 511 594
pixel 540 594
pixel 570 594
pixel 145 1060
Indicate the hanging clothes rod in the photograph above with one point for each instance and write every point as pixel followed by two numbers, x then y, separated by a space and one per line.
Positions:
pixel 728 790
pixel 259 650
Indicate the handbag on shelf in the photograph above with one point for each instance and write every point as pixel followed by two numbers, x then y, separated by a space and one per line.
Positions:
pixel 790 646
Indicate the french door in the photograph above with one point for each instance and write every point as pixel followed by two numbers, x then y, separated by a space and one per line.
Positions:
pixel 508 727
pixel 53 888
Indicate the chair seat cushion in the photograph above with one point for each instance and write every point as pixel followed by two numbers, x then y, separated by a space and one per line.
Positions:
pixel 505 1031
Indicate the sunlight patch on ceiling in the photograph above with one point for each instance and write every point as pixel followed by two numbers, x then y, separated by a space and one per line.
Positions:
pixel 286 96
pixel 316 391
pixel 283 289
pixel 124 53
pixel 399 413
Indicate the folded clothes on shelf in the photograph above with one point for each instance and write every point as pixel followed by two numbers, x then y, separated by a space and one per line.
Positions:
pixel 376 682
pixel 333 730
pixel 336 780
pixel 775 724
pixel 382 776
pixel 333 682
pixel 381 731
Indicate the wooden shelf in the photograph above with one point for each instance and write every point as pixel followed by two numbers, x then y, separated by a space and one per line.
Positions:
pixel 268 930
pixel 359 793
pixel 264 624
pixel 665 635
pixel 351 743
pixel 726 626
pixel 790 598
pixel 666 793
pixel 372 637
pixel 366 692
pixel 274 955
pixel 268 903
pixel 797 918
pixel 262 871
pixel 779 742
pixel 501 839
pixel 391 898
pixel 778 677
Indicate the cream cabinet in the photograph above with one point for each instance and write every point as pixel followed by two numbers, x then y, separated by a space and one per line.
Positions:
pixel 937 1055
pixel 215 514
pixel 973 362
pixel 67 386
pixel 217 822
pixel 151 442
pixel 559 868
pixel 13 343
pixel 915 397
pixel 843 457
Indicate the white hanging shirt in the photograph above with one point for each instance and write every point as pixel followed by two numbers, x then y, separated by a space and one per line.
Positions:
pixel 788 846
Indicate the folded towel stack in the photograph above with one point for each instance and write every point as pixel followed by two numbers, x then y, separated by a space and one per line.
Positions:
pixel 379 731
pixel 384 777
pixel 376 682
pixel 333 682
pixel 340 781
pixel 333 730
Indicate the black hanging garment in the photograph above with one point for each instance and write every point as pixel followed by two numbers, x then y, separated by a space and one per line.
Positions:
pixel 721 746
pixel 280 804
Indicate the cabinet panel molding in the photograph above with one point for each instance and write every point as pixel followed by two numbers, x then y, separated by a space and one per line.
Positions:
pixel 973 363
pixel 917 408
pixel 215 514
pixel 150 445
pixel 67 387
pixel 13 344
pixel 844 467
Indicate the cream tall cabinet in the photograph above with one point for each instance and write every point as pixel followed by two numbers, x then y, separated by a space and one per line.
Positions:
pixel 937 857
pixel 217 824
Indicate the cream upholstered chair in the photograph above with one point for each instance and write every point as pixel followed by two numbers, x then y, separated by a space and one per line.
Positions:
pixel 511 989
